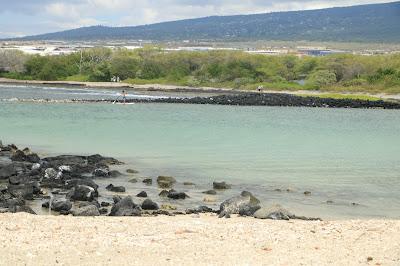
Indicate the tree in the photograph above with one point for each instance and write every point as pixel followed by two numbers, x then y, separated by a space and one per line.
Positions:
pixel 150 70
pixel 12 61
pixel 124 67
pixel 35 65
pixel 101 72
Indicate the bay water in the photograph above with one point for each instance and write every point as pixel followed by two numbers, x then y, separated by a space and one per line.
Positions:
pixel 349 159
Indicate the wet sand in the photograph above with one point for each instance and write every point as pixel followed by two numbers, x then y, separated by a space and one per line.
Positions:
pixel 190 240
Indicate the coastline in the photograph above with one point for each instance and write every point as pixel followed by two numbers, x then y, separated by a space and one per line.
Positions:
pixel 195 240
pixel 120 85
pixel 177 88
pixel 213 96
pixel 235 99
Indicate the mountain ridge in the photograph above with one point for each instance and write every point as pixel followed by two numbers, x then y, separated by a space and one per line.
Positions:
pixel 372 23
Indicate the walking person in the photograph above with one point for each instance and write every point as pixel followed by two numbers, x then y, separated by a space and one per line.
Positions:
pixel 124 96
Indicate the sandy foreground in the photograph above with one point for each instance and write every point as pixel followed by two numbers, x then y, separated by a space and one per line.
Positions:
pixel 195 240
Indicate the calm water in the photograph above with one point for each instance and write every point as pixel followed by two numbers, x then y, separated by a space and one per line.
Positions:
pixel 342 155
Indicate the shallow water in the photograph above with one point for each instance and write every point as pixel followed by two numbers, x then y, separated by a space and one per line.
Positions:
pixel 341 155
pixel 30 92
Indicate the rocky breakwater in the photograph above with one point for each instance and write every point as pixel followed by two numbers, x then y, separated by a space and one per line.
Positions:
pixel 276 99
pixel 66 184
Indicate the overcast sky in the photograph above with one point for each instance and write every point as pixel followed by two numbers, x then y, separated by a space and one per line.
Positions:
pixel 27 17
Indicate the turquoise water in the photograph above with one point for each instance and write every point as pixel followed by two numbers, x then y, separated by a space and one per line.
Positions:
pixel 344 155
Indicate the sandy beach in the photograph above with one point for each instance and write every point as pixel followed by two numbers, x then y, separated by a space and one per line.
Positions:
pixel 195 240
pixel 174 88
pixel 114 85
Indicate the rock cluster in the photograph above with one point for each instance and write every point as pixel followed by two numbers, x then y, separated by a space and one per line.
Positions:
pixel 66 185
pixel 25 176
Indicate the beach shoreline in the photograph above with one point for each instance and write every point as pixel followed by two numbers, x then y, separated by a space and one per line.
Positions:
pixel 177 88
pixel 119 85
pixel 195 240
pixel 209 96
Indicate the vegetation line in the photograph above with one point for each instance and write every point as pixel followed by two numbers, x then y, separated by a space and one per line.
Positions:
pixel 340 73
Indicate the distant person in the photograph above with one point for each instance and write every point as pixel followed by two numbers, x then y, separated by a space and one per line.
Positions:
pixel 124 96
pixel 260 88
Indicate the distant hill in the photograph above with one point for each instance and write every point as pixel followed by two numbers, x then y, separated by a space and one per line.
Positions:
pixel 366 23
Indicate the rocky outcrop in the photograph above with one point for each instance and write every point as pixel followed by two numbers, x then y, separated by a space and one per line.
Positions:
pixel 173 194
pixel 61 205
pixel 89 210
pixel 24 191
pixel 200 209
pixel 25 156
pixel 245 204
pixel 101 172
pixel 132 171
pixel 163 193
pixel 148 204
pixel 7 170
pixel 19 179
pixel 142 194
pixel 221 185
pixel 82 193
pixel 26 174
pixel 23 208
pixel 118 189
pixel 148 181
pixel 69 184
pixel 114 173
pixel 275 212
pixel 51 173
pixel 165 181
pixel 177 195
pixel 210 192
pixel 125 207
pixel 81 164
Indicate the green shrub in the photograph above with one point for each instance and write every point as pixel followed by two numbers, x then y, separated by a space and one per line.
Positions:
pixel 321 78
pixel 355 82
pixel 235 69
pixel 101 72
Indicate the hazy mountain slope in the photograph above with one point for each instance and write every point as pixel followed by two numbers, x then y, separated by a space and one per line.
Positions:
pixel 371 23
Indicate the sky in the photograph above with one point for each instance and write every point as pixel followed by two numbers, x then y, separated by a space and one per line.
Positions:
pixel 30 17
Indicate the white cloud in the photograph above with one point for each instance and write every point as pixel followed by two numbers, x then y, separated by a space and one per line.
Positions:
pixel 62 10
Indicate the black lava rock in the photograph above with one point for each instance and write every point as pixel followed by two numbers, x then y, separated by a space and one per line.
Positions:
pixel 113 188
pixel 148 204
pixel 142 194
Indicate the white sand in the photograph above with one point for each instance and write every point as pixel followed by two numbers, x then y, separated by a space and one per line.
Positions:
pixel 186 240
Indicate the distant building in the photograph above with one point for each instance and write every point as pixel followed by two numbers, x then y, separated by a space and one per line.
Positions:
pixel 43 50
pixel 317 51
pixel 269 52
